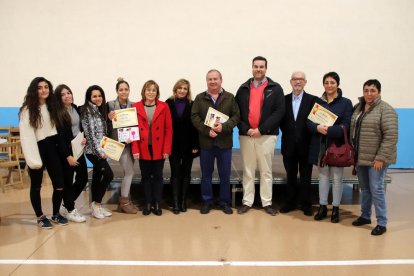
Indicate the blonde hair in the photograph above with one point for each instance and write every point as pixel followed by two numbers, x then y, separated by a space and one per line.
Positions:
pixel 177 85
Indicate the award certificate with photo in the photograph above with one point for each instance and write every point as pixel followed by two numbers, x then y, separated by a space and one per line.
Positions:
pixel 128 133
pixel 77 147
pixel 321 115
pixel 113 149
pixel 125 117
pixel 214 116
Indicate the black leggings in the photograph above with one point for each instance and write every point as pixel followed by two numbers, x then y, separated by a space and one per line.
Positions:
pixel 52 162
pixel 151 178
pixel 72 189
pixel 101 177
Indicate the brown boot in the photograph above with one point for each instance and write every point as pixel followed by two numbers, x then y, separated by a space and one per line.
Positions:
pixel 126 206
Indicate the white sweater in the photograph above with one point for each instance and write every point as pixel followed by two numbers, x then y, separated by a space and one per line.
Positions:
pixel 29 136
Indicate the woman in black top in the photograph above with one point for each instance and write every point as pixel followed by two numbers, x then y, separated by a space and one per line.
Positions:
pixel 185 143
pixel 68 126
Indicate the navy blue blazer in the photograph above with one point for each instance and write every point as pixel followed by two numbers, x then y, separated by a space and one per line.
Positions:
pixel 295 134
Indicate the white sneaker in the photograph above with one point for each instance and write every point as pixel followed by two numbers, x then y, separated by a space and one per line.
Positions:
pixel 105 212
pixel 96 211
pixel 75 216
pixel 63 211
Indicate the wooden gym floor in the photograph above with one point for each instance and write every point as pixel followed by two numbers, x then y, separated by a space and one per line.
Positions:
pixel 212 244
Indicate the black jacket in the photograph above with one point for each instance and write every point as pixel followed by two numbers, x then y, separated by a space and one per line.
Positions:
pixel 295 134
pixel 342 107
pixel 65 136
pixel 185 135
pixel 272 111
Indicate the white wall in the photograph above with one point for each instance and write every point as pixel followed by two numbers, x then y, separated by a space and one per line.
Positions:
pixel 80 43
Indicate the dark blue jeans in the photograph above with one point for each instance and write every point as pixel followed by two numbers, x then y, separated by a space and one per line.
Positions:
pixel 207 158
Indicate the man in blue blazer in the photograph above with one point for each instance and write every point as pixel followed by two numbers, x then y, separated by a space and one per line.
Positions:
pixel 295 146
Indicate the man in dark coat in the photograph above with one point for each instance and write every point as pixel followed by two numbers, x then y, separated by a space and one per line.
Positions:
pixel 295 146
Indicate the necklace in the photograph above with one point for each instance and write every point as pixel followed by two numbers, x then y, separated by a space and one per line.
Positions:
pixel 149 105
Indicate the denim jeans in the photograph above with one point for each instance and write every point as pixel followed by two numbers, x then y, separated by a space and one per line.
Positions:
pixel 207 158
pixel 336 174
pixel 373 192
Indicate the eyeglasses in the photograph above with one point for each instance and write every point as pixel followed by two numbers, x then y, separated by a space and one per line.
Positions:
pixel 298 79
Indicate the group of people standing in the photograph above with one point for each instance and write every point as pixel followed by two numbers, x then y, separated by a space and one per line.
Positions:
pixel 175 129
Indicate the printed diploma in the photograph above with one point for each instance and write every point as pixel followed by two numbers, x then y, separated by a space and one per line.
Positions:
pixel 322 116
pixel 125 117
pixel 113 149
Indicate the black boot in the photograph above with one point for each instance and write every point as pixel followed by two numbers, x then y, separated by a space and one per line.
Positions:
pixel 335 215
pixel 147 209
pixel 175 190
pixel 322 213
pixel 183 207
pixel 176 208
pixel 157 209
pixel 186 183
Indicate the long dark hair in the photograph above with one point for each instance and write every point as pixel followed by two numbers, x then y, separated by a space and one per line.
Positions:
pixel 88 108
pixel 63 117
pixel 31 103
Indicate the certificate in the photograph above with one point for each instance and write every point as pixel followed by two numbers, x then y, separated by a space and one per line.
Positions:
pixel 113 149
pixel 214 116
pixel 77 147
pixel 128 133
pixel 125 117
pixel 321 115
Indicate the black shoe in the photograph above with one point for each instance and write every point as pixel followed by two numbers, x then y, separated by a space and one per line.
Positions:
pixel 147 209
pixel 335 215
pixel 243 209
pixel 44 222
pixel 270 210
pixel 183 207
pixel 205 208
pixel 226 209
pixel 287 208
pixel 378 230
pixel 322 213
pixel 157 210
pixel 307 210
pixel 176 208
pixel 59 219
pixel 361 221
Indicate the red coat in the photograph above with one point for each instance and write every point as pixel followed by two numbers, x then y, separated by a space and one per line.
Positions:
pixel 161 129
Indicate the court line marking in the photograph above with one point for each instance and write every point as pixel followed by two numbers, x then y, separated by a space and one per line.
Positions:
pixel 210 263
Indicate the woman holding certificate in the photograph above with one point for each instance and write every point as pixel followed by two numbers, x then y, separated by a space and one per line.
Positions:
pixel 322 137
pixel 38 134
pixel 68 127
pixel 126 160
pixel 374 132
pixel 93 115
pixel 184 143
pixel 154 146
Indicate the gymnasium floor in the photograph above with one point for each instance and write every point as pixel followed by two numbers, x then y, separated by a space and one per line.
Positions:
pixel 213 244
